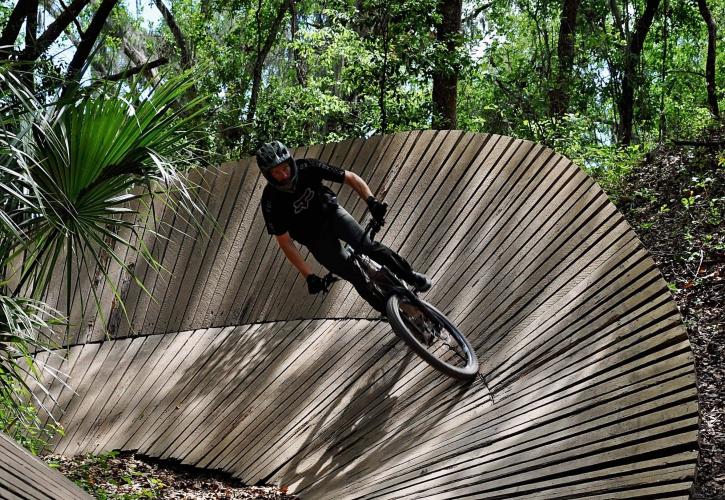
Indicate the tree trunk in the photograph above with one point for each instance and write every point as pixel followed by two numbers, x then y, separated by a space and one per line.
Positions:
pixel 138 69
pixel 88 40
pixel 262 52
pixel 559 97
pixel 31 26
pixel 445 76
pixel 12 27
pixel 31 33
pixel 710 64
pixel 186 59
pixel 663 73
pixel 53 31
pixel 630 76
pixel 296 59
pixel 383 81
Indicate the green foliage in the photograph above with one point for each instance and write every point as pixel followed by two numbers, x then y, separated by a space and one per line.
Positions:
pixel 20 419
pixel 71 173
pixel 74 171
pixel 24 327
pixel 105 477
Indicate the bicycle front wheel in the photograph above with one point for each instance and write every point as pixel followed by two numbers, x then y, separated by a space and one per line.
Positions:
pixel 432 336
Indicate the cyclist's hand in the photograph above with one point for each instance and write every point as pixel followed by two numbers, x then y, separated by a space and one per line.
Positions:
pixel 315 284
pixel 377 210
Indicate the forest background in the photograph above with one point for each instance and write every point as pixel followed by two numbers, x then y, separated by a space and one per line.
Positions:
pixel 604 82
pixel 600 81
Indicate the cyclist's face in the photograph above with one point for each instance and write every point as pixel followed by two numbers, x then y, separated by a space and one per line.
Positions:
pixel 281 173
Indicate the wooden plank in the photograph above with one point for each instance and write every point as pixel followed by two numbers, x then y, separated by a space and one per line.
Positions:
pixel 191 244
pixel 165 359
pixel 187 298
pixel 228 253
pixel 92 385
pixel 300 351
pixel 169 385
pixel 514 437
pixel 137 299
pixel 119 400
pixel 108 393
pixel 104 322
pixel 515 413
pixel 190 403
pixel 23 475
pixel 172 245
pixel 231 403
pixel 154 357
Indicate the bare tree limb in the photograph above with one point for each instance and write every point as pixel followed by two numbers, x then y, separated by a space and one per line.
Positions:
pixel 617 15
pixel 53 31
pixel 88 40
pixel 186 59
pixel 477 12
pixel 137 69
pixel 13 25
pixel 75 19
pixel 711 54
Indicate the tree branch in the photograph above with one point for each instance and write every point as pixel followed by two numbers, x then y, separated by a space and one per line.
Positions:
pixel 176 32
pixel 137 69
pixel 13 25
pixel 262 55
pixel 707 144
pixel 75 19
pixel 711 55
pixel 477 12
pixel 88 40
pixel 53 31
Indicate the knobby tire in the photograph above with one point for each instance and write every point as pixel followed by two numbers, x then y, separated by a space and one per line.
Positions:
pixel 403 330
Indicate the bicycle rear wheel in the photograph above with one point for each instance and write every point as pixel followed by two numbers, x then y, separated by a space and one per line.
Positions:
pixel 432 336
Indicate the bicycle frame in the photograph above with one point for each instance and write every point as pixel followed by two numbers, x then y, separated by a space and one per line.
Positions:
pixel 381 281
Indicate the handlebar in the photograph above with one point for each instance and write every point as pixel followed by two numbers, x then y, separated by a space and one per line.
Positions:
pixel 371 229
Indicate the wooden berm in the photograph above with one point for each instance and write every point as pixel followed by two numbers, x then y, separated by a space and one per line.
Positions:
pixel 586 387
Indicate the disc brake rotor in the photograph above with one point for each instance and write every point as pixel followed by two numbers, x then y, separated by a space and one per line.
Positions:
pixel 423 328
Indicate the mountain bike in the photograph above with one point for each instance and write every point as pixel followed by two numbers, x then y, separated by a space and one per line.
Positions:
pixel 424 328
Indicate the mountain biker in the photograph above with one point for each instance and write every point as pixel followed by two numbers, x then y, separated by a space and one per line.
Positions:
pixel 297 206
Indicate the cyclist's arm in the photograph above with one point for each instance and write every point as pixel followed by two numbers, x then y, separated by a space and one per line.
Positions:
pixel 293 254
pixel 360 186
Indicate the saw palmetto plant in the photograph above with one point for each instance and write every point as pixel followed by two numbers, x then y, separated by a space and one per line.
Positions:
pixel 73 172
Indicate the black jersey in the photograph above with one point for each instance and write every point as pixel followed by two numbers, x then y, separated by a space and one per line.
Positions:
pixel 299 212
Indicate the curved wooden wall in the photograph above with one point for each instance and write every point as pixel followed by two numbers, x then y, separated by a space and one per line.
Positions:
pixel 586 388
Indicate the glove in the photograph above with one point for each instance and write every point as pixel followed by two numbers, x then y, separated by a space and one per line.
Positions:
pixel 377 210
pixel 315 284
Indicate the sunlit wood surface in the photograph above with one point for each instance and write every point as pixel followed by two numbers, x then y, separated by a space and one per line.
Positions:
pixel 587 383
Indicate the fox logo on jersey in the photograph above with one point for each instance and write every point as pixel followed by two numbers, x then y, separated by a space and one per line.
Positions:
pixel 303 202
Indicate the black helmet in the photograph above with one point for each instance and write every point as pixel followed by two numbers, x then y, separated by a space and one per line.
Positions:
pixel 269 156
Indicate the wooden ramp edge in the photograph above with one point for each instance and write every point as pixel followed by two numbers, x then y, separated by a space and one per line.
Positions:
pixel 586 387
pixel 23 476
